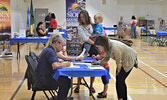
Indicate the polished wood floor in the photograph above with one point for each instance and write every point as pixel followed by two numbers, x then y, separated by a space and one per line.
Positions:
pixel 148 82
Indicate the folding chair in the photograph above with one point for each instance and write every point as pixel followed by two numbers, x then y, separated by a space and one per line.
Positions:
pixel 33 81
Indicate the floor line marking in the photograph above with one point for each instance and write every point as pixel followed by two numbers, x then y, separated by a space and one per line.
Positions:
pixel 129 98
pixel 152 68
pixel 153 77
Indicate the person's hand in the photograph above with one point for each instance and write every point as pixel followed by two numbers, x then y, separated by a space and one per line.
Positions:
pixel 94 63
pixel 93 56
pixel 79 58
pixel 47 29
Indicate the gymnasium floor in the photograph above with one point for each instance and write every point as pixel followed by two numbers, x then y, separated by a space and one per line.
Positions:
pixel 148 82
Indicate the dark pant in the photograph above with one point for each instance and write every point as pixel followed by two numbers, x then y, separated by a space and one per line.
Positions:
pixel 121 85
pixel 63 83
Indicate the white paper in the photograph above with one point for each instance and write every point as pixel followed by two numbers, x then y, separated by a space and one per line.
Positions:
pixel 97 68
pixel 82 53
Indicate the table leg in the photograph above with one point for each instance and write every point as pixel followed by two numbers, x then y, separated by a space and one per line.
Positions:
pixel 18 50
pixel 90 88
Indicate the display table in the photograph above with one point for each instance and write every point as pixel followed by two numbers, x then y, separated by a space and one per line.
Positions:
pixel 27 40
pixel 82 71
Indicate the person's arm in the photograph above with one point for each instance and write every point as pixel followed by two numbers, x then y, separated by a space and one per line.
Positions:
pixel 117 56
pixel 57 65
pixel 90 41
pixel 43 32
pixel 83 36
pixel 64 57
pixel 47 21
pixel 98 57
pixel 94 35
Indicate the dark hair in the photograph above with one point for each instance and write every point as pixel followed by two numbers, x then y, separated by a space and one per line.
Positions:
pixel 38 25
pixel 103 41
pixel 53 15
pixel 86 15
pixel 133 17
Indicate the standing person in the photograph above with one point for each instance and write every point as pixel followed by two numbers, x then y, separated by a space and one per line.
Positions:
pixel 97 30
pixel 48 63
pixel 103 94
pixel 125 57
pixel 40 31
pixel 83 30
pixel 133 23
pixel 53 23
pixel 121 21
pixel 121 28
pixel 47 20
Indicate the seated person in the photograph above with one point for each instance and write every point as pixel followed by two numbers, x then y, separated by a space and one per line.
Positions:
pixel 48 63
pixel 62 54
pixel 40 31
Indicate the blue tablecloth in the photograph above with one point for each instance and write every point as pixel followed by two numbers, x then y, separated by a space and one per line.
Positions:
pixel 83 71
pixel 161 33
pixel 29 39
pixel 63 33
pixel 110 28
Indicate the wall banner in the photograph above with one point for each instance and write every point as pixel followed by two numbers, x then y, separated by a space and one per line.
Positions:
pixel 5 20
pixel 73 8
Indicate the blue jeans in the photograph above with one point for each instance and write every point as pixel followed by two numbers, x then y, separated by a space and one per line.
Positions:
pixel 133 30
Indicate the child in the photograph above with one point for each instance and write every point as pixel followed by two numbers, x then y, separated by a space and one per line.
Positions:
pixel 97 29
pixel 102 94
pixel 97 26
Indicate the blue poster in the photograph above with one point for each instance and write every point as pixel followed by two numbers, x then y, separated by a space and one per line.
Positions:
pixel 73 7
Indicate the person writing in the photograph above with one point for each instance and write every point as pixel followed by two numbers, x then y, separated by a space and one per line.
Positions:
pixel 125 58
pixel 48 63
pixel 62 54
pixel 40 31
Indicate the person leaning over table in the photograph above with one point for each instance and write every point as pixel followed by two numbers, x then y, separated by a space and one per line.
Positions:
pixel 40 31
pixel 48 63
pixel 125 57
pixel 62 54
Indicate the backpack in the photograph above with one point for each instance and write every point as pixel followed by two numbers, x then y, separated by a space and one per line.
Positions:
pixel 125 41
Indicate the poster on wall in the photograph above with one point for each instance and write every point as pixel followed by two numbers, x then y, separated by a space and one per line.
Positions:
pixel 5 20
pixel 73 8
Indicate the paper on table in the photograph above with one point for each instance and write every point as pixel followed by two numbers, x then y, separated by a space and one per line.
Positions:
pixel 73 66
pixel 97 67
pixel 83 52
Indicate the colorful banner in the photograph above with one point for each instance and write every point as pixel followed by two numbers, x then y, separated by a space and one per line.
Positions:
pixel 73 7
pixel 5 20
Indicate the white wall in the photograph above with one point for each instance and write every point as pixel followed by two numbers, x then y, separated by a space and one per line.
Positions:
pixel 112 10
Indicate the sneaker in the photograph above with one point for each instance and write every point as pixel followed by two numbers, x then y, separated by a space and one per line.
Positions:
pixel 93 90
pixel 102 96
pixel 76 90
pixel 100 93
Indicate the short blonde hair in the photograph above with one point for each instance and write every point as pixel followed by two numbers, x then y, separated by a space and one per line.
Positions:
pixel 99 16
pixel 49 43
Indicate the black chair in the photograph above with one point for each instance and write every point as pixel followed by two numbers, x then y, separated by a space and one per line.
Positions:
pixel 33 81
